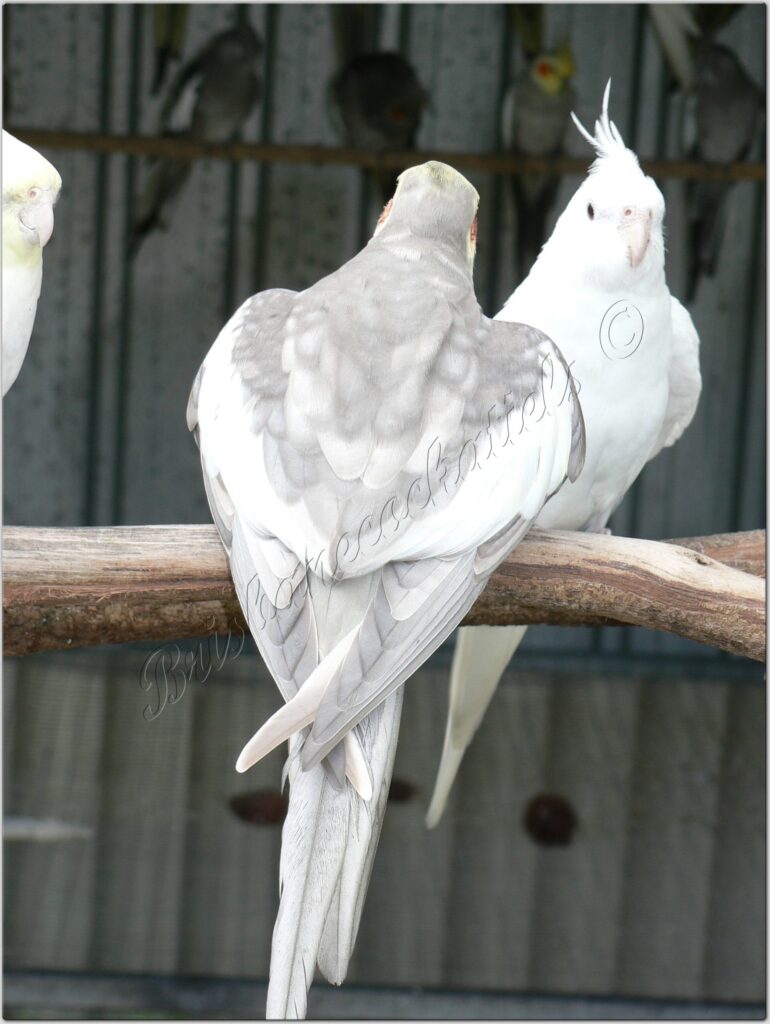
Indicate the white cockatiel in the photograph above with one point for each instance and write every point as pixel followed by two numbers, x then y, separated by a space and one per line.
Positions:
pixel 599 290
pixel 372 448
pixel 31 186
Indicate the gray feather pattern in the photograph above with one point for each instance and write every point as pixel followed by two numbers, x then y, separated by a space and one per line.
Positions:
pixel 376 378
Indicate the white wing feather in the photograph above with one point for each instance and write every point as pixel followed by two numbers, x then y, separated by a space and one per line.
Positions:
pixel 684 378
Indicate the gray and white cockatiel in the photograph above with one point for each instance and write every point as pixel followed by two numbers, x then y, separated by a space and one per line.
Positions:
pixel 599 290
pixel 534 121
pixel 208 101
pixel 726 108
pixel 372 448
pixel 31 186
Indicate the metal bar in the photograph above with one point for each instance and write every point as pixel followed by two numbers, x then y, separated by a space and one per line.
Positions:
pixel 210 998
pixel 95 343
pixel 126 286
pixel 495 163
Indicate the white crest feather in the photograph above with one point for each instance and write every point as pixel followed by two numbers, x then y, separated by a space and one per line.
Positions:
pixel 606 140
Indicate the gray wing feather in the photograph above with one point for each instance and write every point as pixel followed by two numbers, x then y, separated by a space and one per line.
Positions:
pixel 286 637
pixel 387 651
pixel 342 405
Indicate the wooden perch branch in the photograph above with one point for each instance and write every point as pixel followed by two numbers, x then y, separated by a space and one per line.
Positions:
pixel 495 163
pixel 84 587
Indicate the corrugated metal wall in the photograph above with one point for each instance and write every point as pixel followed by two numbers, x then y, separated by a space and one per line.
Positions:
pixel 659 893
pixel 657 743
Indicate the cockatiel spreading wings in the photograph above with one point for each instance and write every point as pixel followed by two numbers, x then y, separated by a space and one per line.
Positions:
pixel 599 290
pixel 372 448
pixel 31 186
pixel 534 121
pixel 208 101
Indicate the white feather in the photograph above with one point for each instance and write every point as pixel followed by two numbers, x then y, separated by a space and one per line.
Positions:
pixel 632 406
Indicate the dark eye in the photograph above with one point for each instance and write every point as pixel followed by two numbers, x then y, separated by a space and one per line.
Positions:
pixel 590 211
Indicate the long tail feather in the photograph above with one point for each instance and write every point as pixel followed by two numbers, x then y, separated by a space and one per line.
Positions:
pixel 481 656
pixel 328 845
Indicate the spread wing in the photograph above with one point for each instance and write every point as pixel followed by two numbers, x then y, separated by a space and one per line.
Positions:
pixel 684 379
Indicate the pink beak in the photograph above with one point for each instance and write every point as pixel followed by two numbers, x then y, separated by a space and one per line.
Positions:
pixel 635 232
pixel 40 219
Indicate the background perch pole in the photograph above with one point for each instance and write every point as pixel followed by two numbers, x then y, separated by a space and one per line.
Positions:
pixel 83 587
pixel 262 152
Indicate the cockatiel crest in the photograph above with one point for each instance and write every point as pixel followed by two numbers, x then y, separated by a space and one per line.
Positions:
pixel 614 222
pixel 607 141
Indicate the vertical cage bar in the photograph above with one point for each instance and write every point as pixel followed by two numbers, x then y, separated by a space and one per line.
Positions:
pixel 95 359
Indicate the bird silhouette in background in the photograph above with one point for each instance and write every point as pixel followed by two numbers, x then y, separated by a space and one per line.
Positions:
pixel 209 100
pixel 376 98
pixel 726 107
pixel 169 24
pixel 722 107
pixel 535 117
pixel 675 26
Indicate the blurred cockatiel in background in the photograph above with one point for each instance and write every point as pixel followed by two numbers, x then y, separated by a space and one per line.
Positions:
pixel 169 24
pixel 376 99
pixel 535 117
pixel 722 109
pixel 372 448
pixel 678 27
pixel 675 27
pixel 726 109
pixel 31 187
pixel 599 290
pixel 211 97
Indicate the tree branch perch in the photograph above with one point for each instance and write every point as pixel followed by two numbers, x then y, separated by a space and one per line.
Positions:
pixel 90 586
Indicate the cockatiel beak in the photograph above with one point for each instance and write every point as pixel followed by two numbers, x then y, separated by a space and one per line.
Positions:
pixel 635 232
pixel 39 218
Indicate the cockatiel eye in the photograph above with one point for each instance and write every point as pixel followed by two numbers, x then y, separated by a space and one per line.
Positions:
pixel 33 193
pixel 590 211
